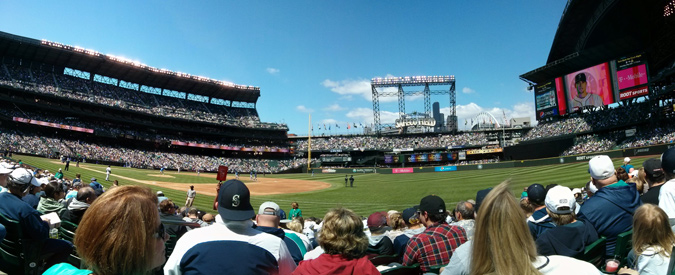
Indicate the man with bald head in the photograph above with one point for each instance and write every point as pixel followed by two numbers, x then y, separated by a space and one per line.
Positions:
pixel 75 207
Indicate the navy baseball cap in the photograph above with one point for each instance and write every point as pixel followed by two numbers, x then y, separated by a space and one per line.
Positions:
pixel 234 201
pixel 480 196
pixel 536 193
pixel 668 161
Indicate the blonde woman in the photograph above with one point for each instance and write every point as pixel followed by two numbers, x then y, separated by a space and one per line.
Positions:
pixel 502 243
pixel 397 225
pixel 653 240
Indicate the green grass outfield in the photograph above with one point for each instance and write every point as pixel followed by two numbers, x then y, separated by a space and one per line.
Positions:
pixel 372 192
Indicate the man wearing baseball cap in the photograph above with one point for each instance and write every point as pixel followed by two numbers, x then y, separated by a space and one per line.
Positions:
pixel 268 221
pixel 667 193
pixel 655 179
pixel 231 244
pixel 570 237
pixel 539 221
pixel 611 209
pixel 32 225
pixel 435 245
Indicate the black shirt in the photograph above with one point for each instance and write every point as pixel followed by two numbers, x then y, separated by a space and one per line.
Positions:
pixel 652 196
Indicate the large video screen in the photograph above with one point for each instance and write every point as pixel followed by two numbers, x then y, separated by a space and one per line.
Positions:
pixel 589 87
pixel 547 97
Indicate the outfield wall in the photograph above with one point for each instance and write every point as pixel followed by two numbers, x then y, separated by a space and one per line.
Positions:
pixel 631 152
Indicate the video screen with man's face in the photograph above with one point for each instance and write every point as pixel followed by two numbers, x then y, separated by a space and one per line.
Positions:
pixel 589 87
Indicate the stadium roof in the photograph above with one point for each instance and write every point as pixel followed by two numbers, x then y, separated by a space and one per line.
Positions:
pixel 592 32
pixel 60 55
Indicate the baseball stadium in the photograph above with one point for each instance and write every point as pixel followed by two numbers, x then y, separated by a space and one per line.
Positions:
pixel 76 118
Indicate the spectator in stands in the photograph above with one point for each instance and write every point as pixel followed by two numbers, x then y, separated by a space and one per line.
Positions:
pixel 171 221
pixel 78 178
pixel 268 220
pixel 32 225
pixel 161 197
pixel 59 174
pixel 73 191
pixel 378 242
pixel 640 180
pixel 655 179
pixel 396 225
pixel 31 197
pixel 622 175
pixel 76 207
pixel 653 240
pixel 667 192
pixel 98 188
pixel 120 234
pixel 50 202
pixel 414 227
pixel 570 236
pixel 193 218
pixel 502 245
pixel 539 221
pixel 464 216
pixel 230 243
pixel 344 244
pixel 295 228
pixel 435 245
pixel 612 207
pixel 208 219
pixel 627 166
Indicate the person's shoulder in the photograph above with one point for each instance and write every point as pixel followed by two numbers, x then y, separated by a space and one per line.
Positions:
pixel 557 264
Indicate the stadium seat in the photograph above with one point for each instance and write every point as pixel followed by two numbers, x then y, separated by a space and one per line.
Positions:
pixel 19 255
pixel 624 243
pixel 383 259
pixel 595 252
pixel 403 270
pixel 67 232
pixel 170 244
pixel 671 265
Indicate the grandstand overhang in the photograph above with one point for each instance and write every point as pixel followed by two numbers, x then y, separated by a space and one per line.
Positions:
pixel 60 55
pixel 592 32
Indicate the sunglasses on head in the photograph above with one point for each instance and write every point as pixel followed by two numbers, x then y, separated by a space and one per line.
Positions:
pixel 161 232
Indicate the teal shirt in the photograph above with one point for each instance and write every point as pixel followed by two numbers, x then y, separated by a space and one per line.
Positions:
pixel 66 269
pixel 294 213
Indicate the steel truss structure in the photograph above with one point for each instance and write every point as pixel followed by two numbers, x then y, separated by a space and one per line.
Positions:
pixel 413 81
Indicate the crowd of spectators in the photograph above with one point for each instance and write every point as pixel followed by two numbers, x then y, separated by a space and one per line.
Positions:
pixel 390 143
pixel 588 144
pixel 591 121
pixel 109 95
pixel 93 152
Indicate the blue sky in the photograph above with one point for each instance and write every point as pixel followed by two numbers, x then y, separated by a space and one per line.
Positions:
pixel 317 56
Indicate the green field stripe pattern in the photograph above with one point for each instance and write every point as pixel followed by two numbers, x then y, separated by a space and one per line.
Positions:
pixel 372 192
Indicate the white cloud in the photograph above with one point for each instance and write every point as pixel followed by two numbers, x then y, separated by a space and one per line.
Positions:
pixel 304 109
pixel 272 70
pixel 334 108
pixel 470 111
pixel 468 90
pixel 365 116
pixel 348 88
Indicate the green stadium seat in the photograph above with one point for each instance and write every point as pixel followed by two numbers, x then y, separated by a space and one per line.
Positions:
pixel 595 252
pixel 170 244
pixel 403 270
pixel 383 259
pixel 624 244
pixel 19 255
pixel 67 232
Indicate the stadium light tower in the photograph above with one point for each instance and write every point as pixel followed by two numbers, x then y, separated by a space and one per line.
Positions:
pixel 413 81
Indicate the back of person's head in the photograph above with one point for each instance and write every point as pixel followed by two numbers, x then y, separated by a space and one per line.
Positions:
pixel 502 243
pixel 165 206
pixel 536 194
pixel 526 207
pixel 118 234
pixel 668 163
pixel 651 228
pixel 86 193
pixel 465 208
pixel 621 174
pixel 560 205
pixel 434 206
pixel 208 218
pixel 396 221
pixel 295 226
pixel 78 176
pixel 653 171
pixel 342 234
pixel 377 222
pixel 192 211
pixel 53 189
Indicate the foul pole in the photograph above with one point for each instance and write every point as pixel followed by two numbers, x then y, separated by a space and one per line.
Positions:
pixel 309 144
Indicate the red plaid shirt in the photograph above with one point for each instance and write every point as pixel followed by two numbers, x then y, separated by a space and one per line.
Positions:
pixel 434 246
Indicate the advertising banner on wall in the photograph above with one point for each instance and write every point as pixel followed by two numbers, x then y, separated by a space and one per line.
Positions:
pixel 632 77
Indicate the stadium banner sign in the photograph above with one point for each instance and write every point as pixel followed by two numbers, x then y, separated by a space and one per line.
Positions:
pixel 392 159
pixel 546 100
pixel 484 151
pixel 445 168
pixel 402 170
pixel 328 171
pixel 630 93
pixel 461 155
pixel 630 132
pixel 364 170
pixel 53 125
pixel 630 61
pixel 403 150
pixel 336 150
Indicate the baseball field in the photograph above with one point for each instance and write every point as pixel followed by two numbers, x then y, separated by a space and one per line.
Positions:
pixel 317 194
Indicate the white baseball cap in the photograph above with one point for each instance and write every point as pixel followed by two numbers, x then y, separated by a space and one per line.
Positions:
pixel 23 176
pixel 601 167
pixel 576 191
pixel 6 168
pixel 626 159
pixel 560 200
pixel 265 206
